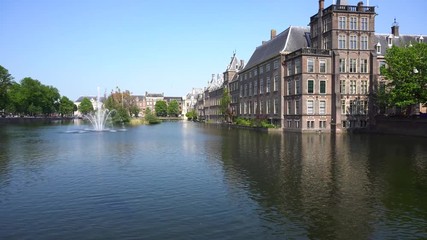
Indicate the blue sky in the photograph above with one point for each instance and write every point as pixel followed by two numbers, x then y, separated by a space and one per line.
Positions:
pixel 167 46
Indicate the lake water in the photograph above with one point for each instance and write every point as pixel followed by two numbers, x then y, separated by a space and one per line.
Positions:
pixel 184 180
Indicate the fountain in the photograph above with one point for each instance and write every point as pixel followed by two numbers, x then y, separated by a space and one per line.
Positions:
pixel 100 118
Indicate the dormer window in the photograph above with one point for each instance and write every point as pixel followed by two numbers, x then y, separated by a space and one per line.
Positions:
pixel 378 48
pixel 390 40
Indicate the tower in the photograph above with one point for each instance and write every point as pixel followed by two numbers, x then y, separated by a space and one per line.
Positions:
pixel 349 31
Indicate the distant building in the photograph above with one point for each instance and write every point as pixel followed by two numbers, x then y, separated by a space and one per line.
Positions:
pixel 152 98
pixel 180 101
pixel 190 100
pixel 92 99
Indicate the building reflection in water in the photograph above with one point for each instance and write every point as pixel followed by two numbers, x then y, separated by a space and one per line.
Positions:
pixel 333 186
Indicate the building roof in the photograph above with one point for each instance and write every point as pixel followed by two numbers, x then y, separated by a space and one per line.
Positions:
pixel 291 39
pixel 215 83
pixel 400 41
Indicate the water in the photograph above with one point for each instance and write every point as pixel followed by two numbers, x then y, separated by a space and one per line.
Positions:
pixel 182 180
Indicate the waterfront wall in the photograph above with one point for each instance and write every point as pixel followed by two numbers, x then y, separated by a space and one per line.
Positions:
pixel 401 126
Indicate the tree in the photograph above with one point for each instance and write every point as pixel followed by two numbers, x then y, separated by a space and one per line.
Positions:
pixel 406 71
pixel 6 81
pixel 161 108
pixel 225 105
pixel 66 106
pixel 86 106
pixel 191 115
pixel 173 109
pixel 150 117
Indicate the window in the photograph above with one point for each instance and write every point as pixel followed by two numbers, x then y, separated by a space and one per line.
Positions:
pixel 267 106
pixel 276 64
pixel 261 69
pixel 342 41
pixel 310 86
pixel 288 90
pixel 297 66
pixel 297 87
pixel 342 65
pixel 267 67
pixel 275 105
pixel 296 123
pixel 297 107
pixel 322 107
pixel 342 87
pixel 267 88
pixel 353 42
pixel 363 65
pixel 250 89
pixel 353 23
pixel 364 42
pixel 289 109
pixel 246 89
pixel 310 65
pixel 322 86
pixel 289 123
pixel 326 43
pixel 310 124
pixel 310 106
pixel 343 107
pixel 255 88
pixel 390 41
pixel 378 48
pixel 322 124
pixel 342 22
pixel 353 65
pixel 364 24
pixel 261 86
pixel 322 66
pixel 290 69
pixel 255 72
pixel 276 82
pixel 255 106
pixel 364 87
pixel 352 86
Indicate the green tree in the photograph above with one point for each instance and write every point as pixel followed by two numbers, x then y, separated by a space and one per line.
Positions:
pixel 150 117
pixel 161 108
pixel 191 115
pixel 66 106
pixel 406 71
pixel 6 81
pixel 225 105
pixel 85 106
pixel 173 108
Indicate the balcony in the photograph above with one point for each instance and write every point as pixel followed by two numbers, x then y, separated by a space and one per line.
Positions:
pixel 309 51
pixel 345 8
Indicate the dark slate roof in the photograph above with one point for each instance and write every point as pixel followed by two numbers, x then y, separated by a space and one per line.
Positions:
pixel 287 41
pixel 402 40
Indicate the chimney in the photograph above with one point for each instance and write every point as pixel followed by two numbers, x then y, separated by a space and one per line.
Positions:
pixel 272 34
pixel 321 5
pixel 360 6
pixel 395 29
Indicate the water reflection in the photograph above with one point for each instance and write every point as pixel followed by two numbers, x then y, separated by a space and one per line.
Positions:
pixel 332 186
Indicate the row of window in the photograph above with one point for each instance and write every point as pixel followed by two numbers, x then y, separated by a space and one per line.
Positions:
pixel 310 124
pixel 295 107
pixel 311 87
pixel 354 107
pixel 255 107
pixel 295 67
pixel 254 72
pixel 353 64
pixel 353 42
pixel 354 87
pixel 250 89
pixel 353 23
